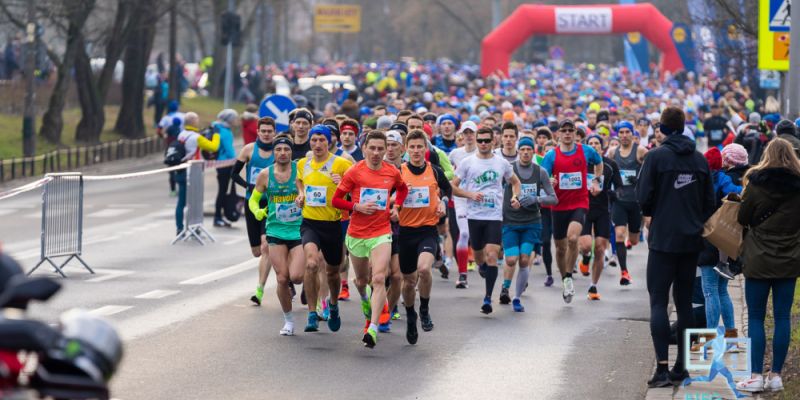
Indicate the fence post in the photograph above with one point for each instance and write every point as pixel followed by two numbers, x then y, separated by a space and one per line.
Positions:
pixel 193 218
pixel 62 221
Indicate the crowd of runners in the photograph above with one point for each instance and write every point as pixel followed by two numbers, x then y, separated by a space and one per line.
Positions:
pixel 430 167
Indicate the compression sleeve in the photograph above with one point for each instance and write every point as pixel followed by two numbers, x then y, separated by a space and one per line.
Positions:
pixel 549 199
pixel 255 198
pixel 236 174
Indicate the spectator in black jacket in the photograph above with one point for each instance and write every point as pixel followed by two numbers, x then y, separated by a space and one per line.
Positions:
pixel 675 189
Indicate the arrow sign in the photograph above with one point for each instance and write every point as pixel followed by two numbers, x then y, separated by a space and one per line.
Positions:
pixel 277 107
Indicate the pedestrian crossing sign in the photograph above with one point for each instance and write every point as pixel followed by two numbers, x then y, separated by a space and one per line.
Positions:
pixel 774 22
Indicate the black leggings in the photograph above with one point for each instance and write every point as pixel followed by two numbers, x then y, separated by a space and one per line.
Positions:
pixel 665 270
pixel 547 234
pixel 224 182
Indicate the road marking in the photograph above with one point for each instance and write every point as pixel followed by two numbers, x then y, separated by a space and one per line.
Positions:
pixel 157 294
pixel 223 273
pixel 37 214
pixel 232 241
pixel 110 212
pixel 105 311
pixel 132 205
pixel 6 211
pixel 108 274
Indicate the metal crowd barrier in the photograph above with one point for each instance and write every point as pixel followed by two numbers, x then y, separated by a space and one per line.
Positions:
pixel 62 220
pixel 193 217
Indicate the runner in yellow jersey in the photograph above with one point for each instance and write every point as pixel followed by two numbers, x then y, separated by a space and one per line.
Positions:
pixel 321 229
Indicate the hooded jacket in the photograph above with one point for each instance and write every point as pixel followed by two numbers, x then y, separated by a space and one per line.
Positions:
pixel 771 249
pixel 675 188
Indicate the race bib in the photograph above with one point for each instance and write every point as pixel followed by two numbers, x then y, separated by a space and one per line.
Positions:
pixel 254 174
pixel 716 135
pixel 628 176
pixel 488 201
pixel 528 189
pixel 418 197
pixel 316 196
pixel 379 196
pixel 590 178
pixel 570 180
pixel 288 212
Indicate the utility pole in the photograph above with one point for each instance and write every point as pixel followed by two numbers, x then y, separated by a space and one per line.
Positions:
pixel 29 117
pixel 174 90
pixel 793 87
pixel 229 64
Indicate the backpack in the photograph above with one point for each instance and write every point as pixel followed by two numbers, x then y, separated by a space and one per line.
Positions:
pixel 174 153
pixel 208 133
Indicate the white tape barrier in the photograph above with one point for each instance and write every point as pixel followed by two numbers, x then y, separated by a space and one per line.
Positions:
pixel 134 174
pixel 24 188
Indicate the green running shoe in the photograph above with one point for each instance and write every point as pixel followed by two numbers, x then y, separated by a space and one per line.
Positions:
pixel 256 298
pixel 370 338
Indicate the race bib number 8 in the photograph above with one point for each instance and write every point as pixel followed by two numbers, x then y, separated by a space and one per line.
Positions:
pixel 316 196
pixel 418 197
pixel 287 212
pixel 378 196
pixel 570 180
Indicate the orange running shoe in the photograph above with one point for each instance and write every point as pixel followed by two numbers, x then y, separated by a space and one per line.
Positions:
pixel 344 293
pixel 593 295
pixel 625 279
pixel 385 316
pixel 584 268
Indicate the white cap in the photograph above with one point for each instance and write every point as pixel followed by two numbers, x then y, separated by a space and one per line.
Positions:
pixel 468 125
pixel 394 136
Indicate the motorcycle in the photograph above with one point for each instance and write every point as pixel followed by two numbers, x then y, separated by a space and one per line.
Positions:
pixel 75 359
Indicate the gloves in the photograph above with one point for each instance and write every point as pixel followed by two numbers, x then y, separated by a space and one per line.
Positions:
pixel 260 214
pixel 632 180
pixel 527 200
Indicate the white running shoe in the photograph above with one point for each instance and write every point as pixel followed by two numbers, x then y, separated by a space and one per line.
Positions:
pixel 288 329
pixel 752 385
pixel 569 290
pixel 774 384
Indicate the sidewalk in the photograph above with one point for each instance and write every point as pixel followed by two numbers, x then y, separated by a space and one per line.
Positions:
pixel 718 388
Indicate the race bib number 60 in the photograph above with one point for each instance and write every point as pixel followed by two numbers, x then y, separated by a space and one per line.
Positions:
pixel 316 196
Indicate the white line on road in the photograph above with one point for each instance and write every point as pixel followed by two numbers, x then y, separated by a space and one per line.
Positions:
pixel 223 273
pixel 6 211
pixel 157 294
pixel 37 214
pixel 105 311
pixel 108 274
pixel 110 212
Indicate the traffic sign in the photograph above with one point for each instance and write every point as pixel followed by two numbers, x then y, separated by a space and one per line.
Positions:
pixel 277 107
pixel 342 18
pixel 774 23
pixel 318 96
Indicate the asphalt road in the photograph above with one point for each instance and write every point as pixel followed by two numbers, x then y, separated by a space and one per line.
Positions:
pixel 191 333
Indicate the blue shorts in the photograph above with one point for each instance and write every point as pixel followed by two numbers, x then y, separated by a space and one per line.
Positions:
pixel 521 239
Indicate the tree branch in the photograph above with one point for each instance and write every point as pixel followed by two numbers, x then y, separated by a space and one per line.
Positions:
pixel 460 20
pixel 737 18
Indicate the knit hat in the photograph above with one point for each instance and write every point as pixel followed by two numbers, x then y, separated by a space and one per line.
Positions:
pixel 227 116
pixel 384 122
pixel 447 117
pixel 323 130
pixel 734 155
pixel 754 118
pixel 525 141
pixel 714 158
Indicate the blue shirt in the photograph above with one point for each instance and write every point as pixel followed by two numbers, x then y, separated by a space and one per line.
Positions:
pixel 592 158
pixel 226 151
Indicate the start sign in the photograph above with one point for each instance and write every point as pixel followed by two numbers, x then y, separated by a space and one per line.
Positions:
pixel 583 20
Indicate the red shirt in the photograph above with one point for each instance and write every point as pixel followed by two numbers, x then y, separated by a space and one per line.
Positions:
pixel 365 185
pixel 249 130
pixel 570 173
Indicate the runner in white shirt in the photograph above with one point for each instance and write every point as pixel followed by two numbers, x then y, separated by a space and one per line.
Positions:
pixel 457 214
pixel 482 178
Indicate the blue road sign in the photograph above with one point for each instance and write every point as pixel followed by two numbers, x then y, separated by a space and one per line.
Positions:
pixel 779 15
pixel 277 107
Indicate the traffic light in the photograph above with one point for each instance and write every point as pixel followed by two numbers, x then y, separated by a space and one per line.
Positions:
pixel 231 29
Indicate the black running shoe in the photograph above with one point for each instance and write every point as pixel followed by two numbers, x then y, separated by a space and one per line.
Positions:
pixel 678 375
pixel 462 282
pixel 659 380
pixel 425 321
pixel 443 270
pixel 486 308
pixel 411 327
pixel 724 271
pixel 504 297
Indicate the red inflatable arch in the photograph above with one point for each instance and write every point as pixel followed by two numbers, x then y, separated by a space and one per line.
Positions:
pixel 531 19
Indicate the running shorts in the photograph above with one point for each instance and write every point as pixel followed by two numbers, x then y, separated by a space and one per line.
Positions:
pixel 562 219
pixel 482 232
pixel 521 239
pixel 413 242
pixel 627 213
pixel 599 222
pixel 290 244
pixel 327 235
pixel 363 247
pixel 255 228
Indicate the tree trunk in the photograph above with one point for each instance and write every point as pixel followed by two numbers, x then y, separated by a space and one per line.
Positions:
pixel 130 121
pixel 115 46
pixel 93 118
pixel 217 74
